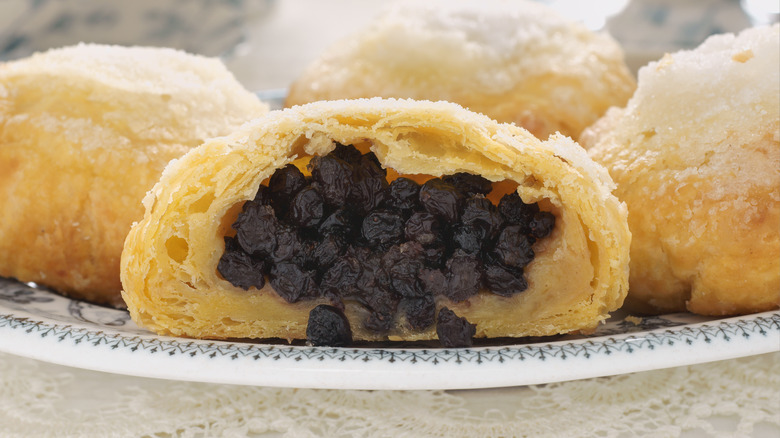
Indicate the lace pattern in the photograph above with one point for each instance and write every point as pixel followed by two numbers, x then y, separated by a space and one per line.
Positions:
pixel 739 397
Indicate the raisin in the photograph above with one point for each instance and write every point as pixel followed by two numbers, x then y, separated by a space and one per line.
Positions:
pixel 517 212
pixel 513 248
pixel 454 331
pixel 402 263
pixel 349 153
pixel 434 281
pixel 468 183
pixel 333 177
pixel 404 194
pixel 468 238
pixel 284 184
pixel 341 222
pixel 504 282
pixel 542 224
pixel 293 283
pixel 239 268
pixel 464 276
pixel 306 208
pixel 441 199
pixel 263 195
pixel 370 163
pixel 342 276
pixel 288 245
pixel 382 305
pixel 420 312
pixel 480 213
pixel 434 256
pixel 382 228
pixel 328 327
pixel 422 227
pixel 256 228
pixel 327 251
pixel 367 191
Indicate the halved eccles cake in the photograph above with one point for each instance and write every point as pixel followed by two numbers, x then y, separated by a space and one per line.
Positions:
pixel 378 220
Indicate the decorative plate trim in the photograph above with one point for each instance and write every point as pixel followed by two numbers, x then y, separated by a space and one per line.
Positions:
pixel 37 323
pixel 723 330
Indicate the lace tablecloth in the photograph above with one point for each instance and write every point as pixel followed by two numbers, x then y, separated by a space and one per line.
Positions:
pixel 732 398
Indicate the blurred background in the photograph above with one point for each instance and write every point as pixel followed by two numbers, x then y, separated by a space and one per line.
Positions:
pixel 267 43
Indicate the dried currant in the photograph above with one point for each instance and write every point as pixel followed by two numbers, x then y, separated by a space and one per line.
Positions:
pixel 342 276
pixel 327 251
pixel 348 153
pixel 441 199
pixel 464 276
pixel 239 268
pixel 454 331
pixel 480 213
pixel 306 208
pixel 402 266
pixel 468 238
pixel 434 281
pixel 382 228
pixel 513 248
pixel 468 183
pixel 328 327
pixel 284 184
pixel 403 194
pixel 422 227
pixel 368 189
pixel 341 222
pixel 542 224
pixel 333 177
pixel 517 212
pixel 420 312
pixel 288 245
pixel 256 228
pixel 504 282
pixel 293 283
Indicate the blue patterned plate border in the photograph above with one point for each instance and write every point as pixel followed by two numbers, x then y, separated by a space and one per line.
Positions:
pixel 37 323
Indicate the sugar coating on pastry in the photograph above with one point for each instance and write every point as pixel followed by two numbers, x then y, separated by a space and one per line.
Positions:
pixel 85 132
pixel 696 156
pixel 172 283
pixel 518 62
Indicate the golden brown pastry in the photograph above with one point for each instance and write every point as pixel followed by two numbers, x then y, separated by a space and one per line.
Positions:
pixel 199 229
pixel 517 62
pixel 85 132
pixel 696 156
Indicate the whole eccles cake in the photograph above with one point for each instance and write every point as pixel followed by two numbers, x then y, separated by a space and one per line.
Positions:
pixel 696 156
pixel 515 61
pixel 85 132
pixel 378 219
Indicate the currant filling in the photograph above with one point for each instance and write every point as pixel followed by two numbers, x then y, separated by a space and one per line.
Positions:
pixel 346 234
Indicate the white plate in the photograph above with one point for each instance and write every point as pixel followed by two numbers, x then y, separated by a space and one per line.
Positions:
pixel 42 325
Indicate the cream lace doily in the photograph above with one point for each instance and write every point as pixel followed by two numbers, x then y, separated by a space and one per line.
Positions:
pixel 738 397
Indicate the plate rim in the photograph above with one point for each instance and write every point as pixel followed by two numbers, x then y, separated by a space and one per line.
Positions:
pixel 90 346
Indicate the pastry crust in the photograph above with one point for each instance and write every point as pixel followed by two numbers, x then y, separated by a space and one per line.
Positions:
pixel 85 132
pixel 169 274
pixel 517 62
pixel 696 156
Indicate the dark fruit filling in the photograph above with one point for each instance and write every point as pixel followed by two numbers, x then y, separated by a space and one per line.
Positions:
pixel 454 331
pixel 346 234
pixel 328 327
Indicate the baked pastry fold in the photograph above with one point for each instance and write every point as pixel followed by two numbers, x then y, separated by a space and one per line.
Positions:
pixel 85 132
pixel 516 62
pixel 578 275
pixel 696 157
